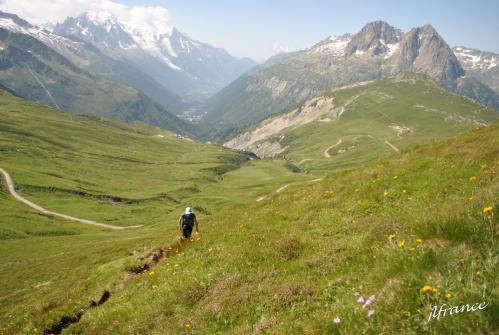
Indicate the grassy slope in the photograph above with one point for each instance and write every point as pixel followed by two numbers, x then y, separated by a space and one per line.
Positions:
pixel 94 168
pixel 412 101
pixel 289 264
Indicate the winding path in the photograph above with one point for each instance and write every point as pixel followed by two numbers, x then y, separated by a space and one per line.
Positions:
pixel 326 152
pixel 18 197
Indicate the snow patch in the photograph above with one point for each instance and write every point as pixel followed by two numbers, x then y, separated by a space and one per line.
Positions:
pixel 334 45
pixel 392 48
pixel 476 59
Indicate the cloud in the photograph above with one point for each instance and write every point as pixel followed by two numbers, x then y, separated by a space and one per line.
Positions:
pixel 278 48
pixel 49 12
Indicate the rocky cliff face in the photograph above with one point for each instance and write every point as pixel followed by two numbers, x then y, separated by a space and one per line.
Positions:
pixel 374 38
pixel 423 49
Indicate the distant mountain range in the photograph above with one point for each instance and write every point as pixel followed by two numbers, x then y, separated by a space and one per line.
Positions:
pixel 138 71
pixel 187 67
pixel 377 51
pixel 102 68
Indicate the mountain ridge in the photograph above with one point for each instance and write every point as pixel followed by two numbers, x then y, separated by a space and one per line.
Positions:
pixel 37 72
pixel 378 50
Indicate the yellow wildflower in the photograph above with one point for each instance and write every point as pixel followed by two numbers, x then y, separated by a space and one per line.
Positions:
pixel 385 193
pixel 409 198
pixel 419 241
pixel 434 290
pixel 426 288
pixel 395 177
pixel 187 325
pixel 401 244
pixel 151 273
pixel 448 295
pixel 412 249
pixel 470 198
pixel 154 286
pixel 392 236
pixel 357 190
pixel 403 191
pixel 487 210
pixel 472 178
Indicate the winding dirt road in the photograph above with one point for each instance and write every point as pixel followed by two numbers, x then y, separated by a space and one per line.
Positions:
pixel 18 197
pixel 326 152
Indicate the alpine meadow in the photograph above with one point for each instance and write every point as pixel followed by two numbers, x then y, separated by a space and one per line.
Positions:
pixel 175 167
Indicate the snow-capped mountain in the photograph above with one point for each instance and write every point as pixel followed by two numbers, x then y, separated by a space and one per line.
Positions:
pixel 89 58
pixel 481 64
pixel 61 44
pixel 175 60
pixel 33 65
pixel 476 59
pixel 333 45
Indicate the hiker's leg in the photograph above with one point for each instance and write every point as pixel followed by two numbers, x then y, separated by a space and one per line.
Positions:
pixel 186 232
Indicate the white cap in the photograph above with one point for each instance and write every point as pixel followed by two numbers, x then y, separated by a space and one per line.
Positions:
pixel 188 210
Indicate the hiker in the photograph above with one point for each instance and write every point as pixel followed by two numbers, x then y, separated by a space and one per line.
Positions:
pixel 186 222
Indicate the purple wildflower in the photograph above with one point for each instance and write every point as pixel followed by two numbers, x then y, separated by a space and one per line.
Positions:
pixel 361 300
pixel 369 301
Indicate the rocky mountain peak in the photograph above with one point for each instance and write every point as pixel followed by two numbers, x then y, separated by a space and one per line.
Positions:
pixel 423 49
pixel 374 36
pixel 96 28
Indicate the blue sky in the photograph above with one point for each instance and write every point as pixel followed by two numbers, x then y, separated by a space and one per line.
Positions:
pixel 255 28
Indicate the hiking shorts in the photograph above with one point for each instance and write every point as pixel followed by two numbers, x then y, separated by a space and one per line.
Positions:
pixel 186 231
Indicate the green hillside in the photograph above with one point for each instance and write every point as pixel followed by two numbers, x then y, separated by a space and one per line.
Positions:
pixel 376 119
pixel 111 172
pixel 415 231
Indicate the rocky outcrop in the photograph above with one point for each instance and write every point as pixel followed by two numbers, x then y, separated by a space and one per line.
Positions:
pixel 423 49
pixel 374 37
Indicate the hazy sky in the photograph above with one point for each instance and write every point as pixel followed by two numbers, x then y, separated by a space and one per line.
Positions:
pixel 259 28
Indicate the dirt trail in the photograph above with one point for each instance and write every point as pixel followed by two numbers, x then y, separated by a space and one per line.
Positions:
pixel 397 150
pixel 279 190
pixel 282 188
pixel 326 152
pixel 18 197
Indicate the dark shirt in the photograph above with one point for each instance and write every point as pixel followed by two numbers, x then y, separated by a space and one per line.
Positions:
pixel 188 219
